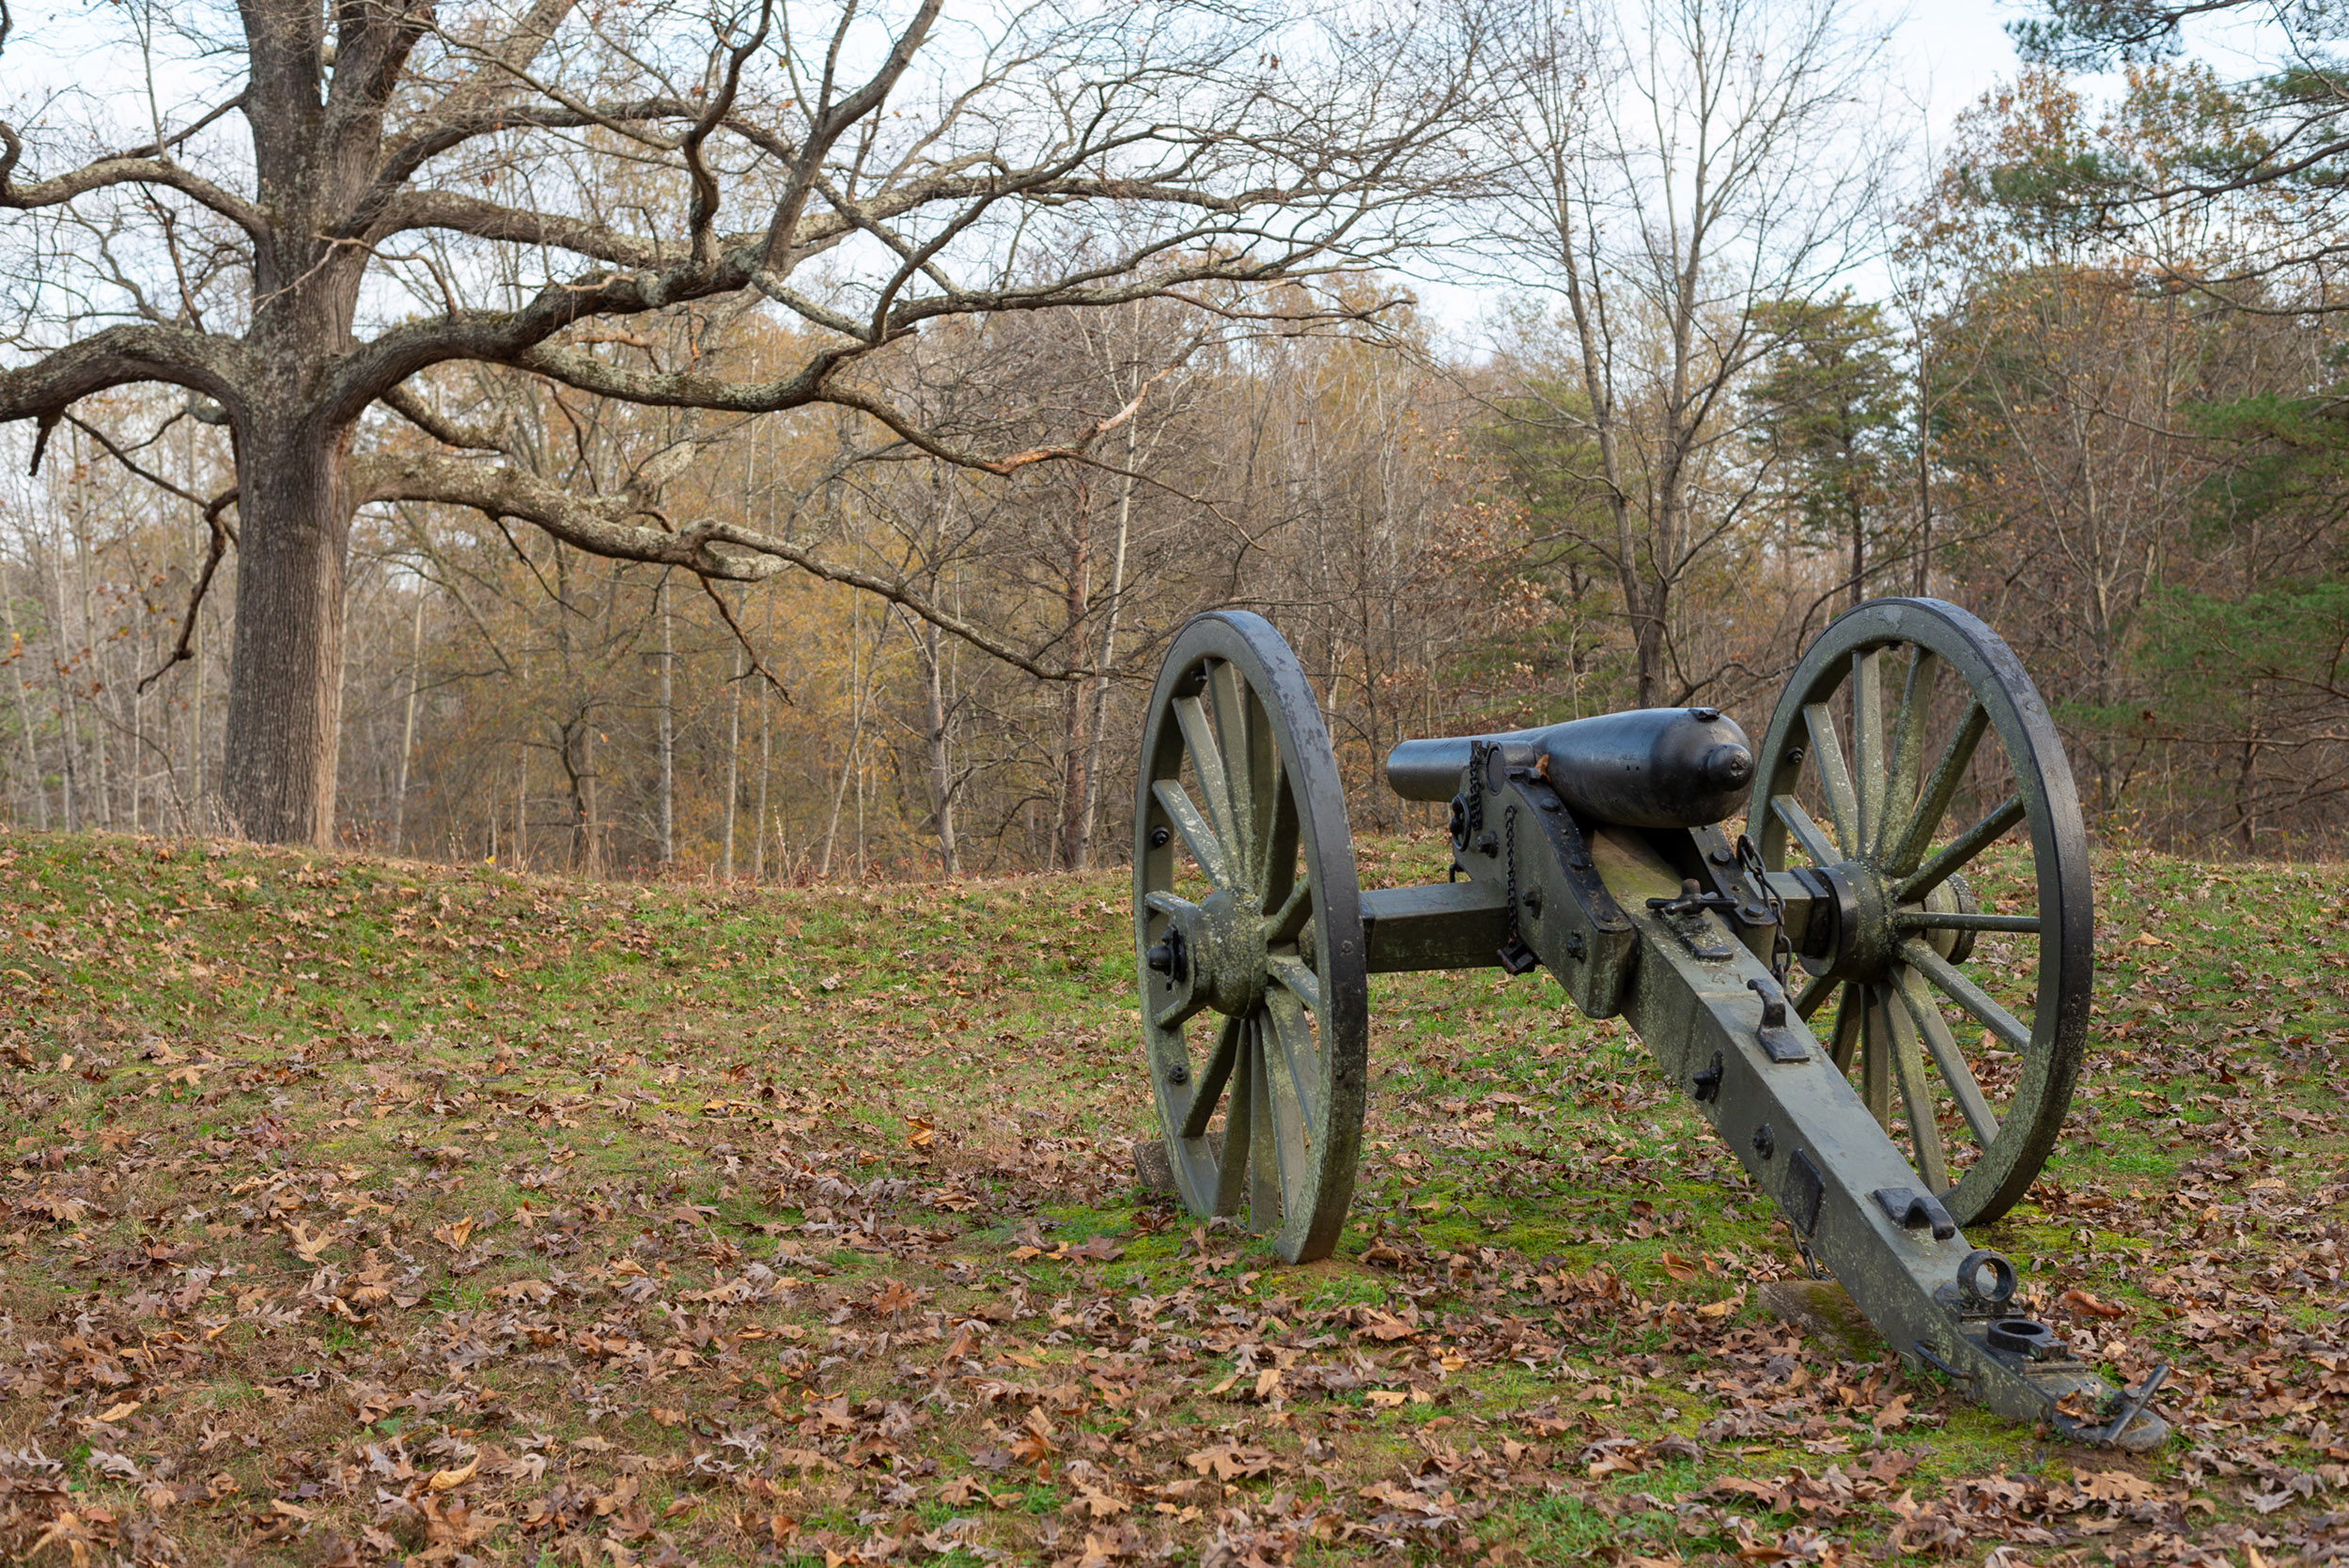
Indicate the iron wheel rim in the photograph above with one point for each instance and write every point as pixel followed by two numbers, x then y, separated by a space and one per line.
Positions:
pixel 1291 1070
pixel 1893 1014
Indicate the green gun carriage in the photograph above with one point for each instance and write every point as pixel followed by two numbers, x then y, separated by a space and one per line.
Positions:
pixel 1907 742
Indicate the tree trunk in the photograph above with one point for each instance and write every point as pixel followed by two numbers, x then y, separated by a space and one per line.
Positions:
pixel 1648 643
pixel 25 715
pixel 284 680
pixel 939 752
pixel 1097 721
pixel 758 845
pixel 668 725
pixel 758 837
pixel 408 726
pixel 1077 606
pixel 69 738
pixel 1859 556
pixel 734 755
pixel 1923 573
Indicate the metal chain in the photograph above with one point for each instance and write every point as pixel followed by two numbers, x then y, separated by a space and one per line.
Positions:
pixel 1509 831
pixel 1781 946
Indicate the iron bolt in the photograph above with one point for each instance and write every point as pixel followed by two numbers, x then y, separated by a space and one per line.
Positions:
pixel 1765 1141
pixel 1160 957
pixel 1159 837
pixel 1178 1075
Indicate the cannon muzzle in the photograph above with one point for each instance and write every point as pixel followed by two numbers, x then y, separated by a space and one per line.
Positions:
pixel 1649 768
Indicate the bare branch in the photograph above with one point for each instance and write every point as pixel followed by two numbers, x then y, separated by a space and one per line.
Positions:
pixel 125 171
pixel 601 525
pixel 121 356
pixel 448 432
pixel 222 537
pixel 725 612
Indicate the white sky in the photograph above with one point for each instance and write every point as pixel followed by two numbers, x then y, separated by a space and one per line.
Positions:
pixel 1944 55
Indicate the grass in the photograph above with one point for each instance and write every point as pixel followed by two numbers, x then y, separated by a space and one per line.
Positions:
pixel 364 1210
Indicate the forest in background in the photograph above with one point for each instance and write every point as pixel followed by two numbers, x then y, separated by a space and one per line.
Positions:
pixel 2123 448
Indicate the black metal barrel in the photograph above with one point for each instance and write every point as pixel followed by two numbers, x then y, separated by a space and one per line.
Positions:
pixel 1648 767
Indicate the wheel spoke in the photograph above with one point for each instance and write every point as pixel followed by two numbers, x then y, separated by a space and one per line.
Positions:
pixel 1814 843
pixel 1299 1056
pixel 1231 1171
pixel 1197 836
pixel 1206 760
pixel 1842 806
pixel 1876 1057
pixel 1264 1136
pixel 1282 924
pixel 1908 745
pixel 1300 980
pixel 1953 985
pixel 1207 1083
pixel 1291 1119
pixel 1814 991
pixel 1948 1058
pixel 1867 743
pixel 1924 1133
pixel 1940 789
pixel 1265 780
pixel 1959 851
pixel 1227 690
pixel 1850 1012
pixel 1952 920
pixel 1277 857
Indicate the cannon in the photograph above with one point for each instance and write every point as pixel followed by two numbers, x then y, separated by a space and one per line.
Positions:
pixel 1889 1053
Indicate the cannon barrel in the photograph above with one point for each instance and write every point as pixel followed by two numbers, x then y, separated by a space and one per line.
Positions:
pixel 1648 767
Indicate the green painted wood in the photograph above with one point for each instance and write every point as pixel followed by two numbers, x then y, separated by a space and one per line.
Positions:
pixel 1446 925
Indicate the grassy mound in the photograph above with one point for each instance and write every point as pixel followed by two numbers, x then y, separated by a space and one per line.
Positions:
pixel 364 1210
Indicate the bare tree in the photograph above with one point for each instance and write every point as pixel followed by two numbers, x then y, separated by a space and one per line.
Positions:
pixel 397 160
pixel 1677 176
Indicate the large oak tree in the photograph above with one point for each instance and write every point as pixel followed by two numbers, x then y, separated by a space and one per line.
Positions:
pixel 383 187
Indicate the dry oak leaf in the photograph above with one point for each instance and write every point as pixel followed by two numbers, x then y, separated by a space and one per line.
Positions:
pixel 1100 1504
pixel 454 1236
pixel 2081 1301
pixel 444 1480
pixel 1230 1461
pixel 2117 1486
pixel 308 1245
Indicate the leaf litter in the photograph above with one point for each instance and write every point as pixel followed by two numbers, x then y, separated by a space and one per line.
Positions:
pixel 576 1222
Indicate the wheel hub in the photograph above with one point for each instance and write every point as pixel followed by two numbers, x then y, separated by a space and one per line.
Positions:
pixel 1865 946
pixel 1864 942
pixel 1229 952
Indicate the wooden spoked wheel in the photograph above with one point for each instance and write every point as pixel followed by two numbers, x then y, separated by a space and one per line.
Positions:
pixel 1248 933
pixel 1960 983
